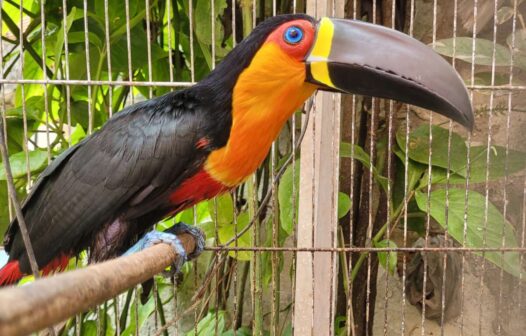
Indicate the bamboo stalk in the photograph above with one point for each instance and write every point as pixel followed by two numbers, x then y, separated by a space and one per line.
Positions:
pixel 51 300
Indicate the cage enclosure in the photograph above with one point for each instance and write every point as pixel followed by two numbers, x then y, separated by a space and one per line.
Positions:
pixel 367 217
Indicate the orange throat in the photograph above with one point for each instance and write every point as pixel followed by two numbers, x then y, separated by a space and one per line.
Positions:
pixel 265 96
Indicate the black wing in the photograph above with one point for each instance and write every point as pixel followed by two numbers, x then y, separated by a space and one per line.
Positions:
pixel 146 149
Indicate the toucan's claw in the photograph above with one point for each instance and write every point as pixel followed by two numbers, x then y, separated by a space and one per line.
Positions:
pixel 170 237
pixel 193 230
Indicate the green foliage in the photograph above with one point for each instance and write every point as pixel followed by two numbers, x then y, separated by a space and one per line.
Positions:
pixel 481 231
pixel 486 52
pixel 483 227
pixel 388 259
pixel 18 162
pixel 344 204
pixel 212 324
pixel 356 152
pixel 483 48
pixel 286 198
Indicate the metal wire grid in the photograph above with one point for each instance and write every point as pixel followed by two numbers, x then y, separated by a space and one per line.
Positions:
pixel 276 285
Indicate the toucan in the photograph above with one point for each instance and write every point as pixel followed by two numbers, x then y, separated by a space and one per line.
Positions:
pixel 161 156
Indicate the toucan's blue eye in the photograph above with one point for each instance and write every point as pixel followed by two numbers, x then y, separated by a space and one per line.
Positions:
pixel 293 35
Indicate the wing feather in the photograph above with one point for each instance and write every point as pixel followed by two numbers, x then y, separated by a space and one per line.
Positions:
pixel 143 152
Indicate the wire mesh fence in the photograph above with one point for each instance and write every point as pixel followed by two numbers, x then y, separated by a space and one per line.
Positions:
pixel 389 219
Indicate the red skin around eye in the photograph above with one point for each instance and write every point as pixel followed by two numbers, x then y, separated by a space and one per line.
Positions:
pixel 299 50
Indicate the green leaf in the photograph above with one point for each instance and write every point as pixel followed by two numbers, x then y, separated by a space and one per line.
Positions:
pixel 80 37
pixel 134 21
pixel 59 44
pixel 225 209
pixel 32 70
pixel 78 134
pixel 212 322
pixel 344 204
pixel 499 166
pixel 285 198
pixel 34 109
pixel 243 331
pixel 418 147
pixel 37 161
pixel 519 48
pixel 80 114
pixel 89 328
pixel 229 231
pixel 346 150
pixel 478 229
pixel 483 51
pixel 4 212
pixel 520 40
pixel 484 78
pixel 139 55
pixel 415 170
pixel 202 216
pixel 203 22
pixel 116 12
pixel 388 259
pixel 144 312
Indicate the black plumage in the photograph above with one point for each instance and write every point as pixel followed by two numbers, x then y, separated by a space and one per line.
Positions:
pixel 125 172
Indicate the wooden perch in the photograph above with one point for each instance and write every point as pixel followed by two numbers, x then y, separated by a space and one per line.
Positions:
pixel 51 300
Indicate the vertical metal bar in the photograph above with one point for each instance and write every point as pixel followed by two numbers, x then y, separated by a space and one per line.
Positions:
pixel 349 313
pixel 91 103
pixel 128 47
pixel 523 224
pixel 428 201
pixel 21 38
pixel 406 189
pixel 274 311
pixel 191 34
pixel 500 313
pixel 369 233
pixel 66 67
pixel 44 75
pixel 468 173
pixel 169 29
pixel 171 75
pixel 448 175
pixel 390 135
pixel 108 56
pixel 213 32
pixel 488 156
pixel 155 289
pixel 149 47
pixel 78 317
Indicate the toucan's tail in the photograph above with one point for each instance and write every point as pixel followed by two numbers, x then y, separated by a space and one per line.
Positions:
pixel 10 274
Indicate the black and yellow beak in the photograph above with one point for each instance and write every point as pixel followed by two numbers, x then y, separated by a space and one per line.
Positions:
pixel 362 58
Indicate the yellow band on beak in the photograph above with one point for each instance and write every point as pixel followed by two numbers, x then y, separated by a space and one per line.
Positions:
pixel 320 52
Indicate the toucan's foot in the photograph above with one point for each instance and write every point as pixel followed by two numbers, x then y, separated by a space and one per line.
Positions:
pixel 170 237
pixel 195 232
